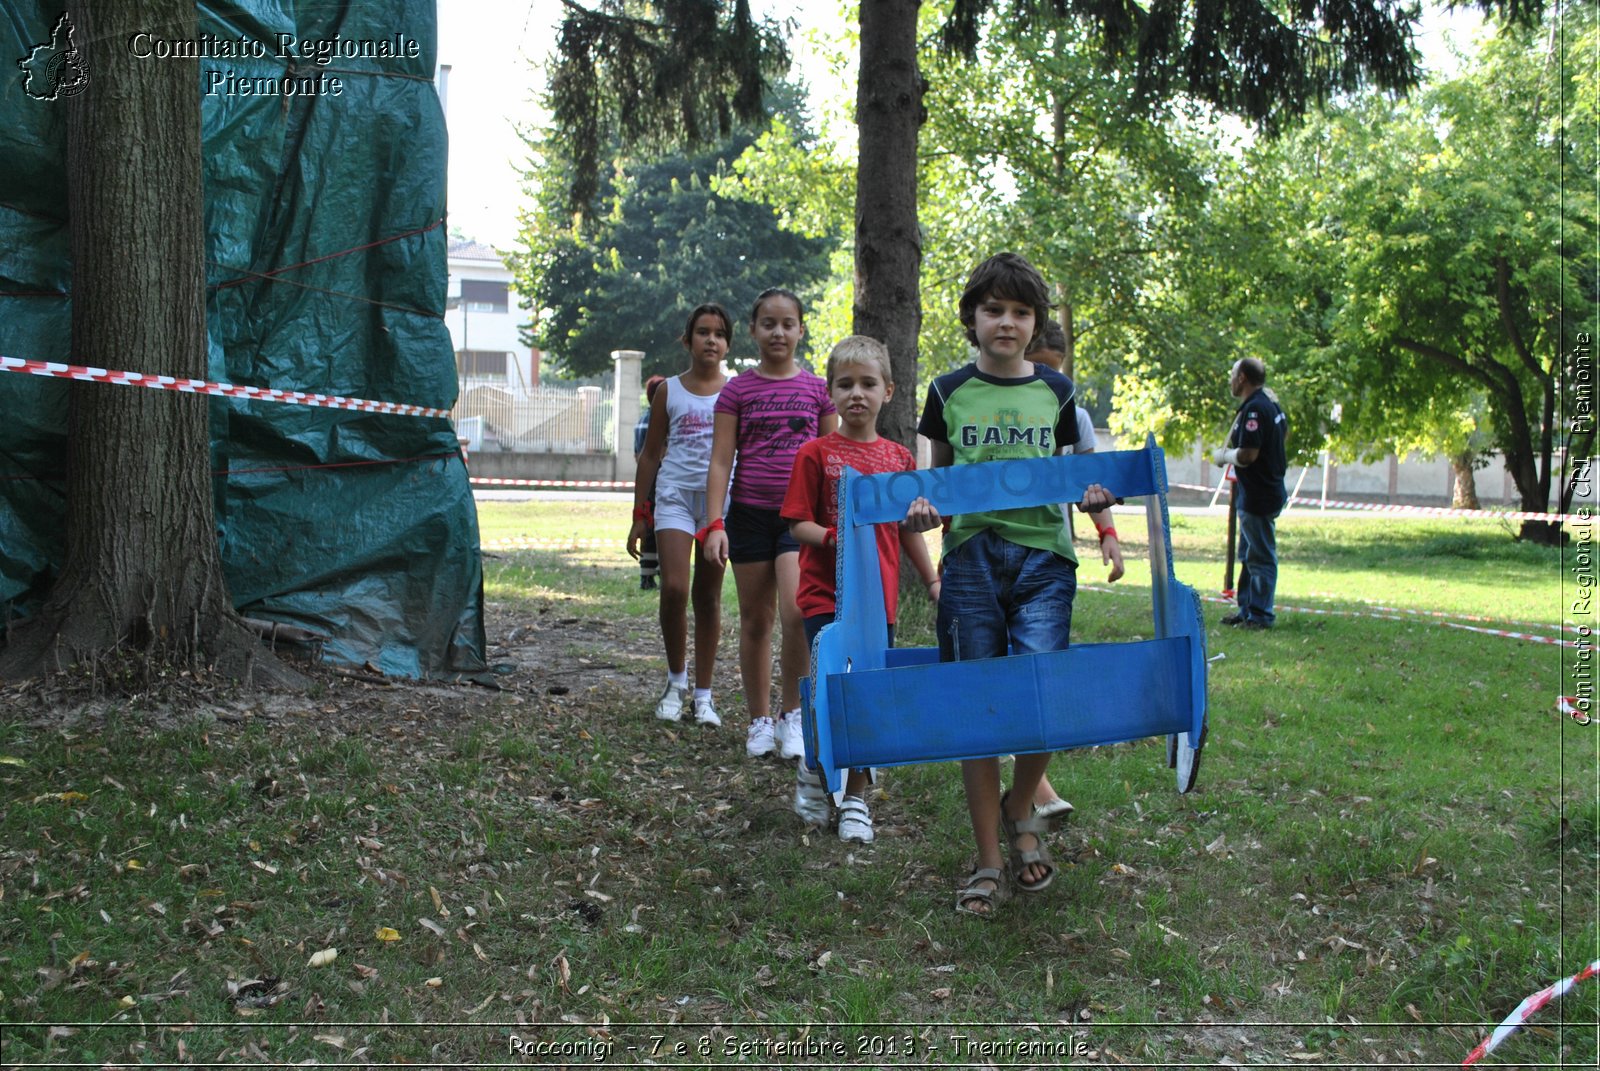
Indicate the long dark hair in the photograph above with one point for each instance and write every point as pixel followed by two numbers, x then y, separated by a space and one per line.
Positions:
pixel 713 309
pixel 777 291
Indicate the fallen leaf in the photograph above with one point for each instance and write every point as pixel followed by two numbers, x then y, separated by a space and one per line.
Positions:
pixel 386 933
pixel 438 904
pixel 563 970
pixel 12 760
pixel 127 1002
pixel 366 972
pixel 942 993
pixel 435 982
pixel 336 1040
pixel 323 958
pixel 434 927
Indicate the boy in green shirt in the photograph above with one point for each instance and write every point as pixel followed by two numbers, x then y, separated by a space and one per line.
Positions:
pixel 1009 575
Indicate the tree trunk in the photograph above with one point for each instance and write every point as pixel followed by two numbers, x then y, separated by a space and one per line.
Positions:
pixel 1464 494
pixel 142 572
pixel 1069 333
pixel 890 113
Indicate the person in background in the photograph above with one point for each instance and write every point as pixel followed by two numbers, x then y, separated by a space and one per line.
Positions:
pixel 1049 349
pixel 1257 451
pixel 649 560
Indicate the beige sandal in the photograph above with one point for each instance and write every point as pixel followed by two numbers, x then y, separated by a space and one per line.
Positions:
pixel 975 892
pixel 1022 858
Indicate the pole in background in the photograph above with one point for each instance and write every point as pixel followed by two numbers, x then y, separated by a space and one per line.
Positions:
pixel 1233 524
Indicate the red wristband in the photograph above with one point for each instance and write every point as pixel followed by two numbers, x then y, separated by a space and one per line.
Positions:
pixel 1112 532
pixel 644 513
pixel 714 526
pixel 830 538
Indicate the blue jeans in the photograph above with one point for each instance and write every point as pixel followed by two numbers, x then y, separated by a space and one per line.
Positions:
pixel 1258 566
pixel 1000 598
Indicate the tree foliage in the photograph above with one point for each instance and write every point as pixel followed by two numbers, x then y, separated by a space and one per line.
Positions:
pixel 657 240
pixel 1421 264
pixel 656 73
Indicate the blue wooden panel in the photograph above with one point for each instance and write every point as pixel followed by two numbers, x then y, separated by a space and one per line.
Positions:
pixel 883 707
pixel 1086 695
pixel 1002 485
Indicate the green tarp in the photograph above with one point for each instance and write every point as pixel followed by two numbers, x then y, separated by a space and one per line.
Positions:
pixel 325 246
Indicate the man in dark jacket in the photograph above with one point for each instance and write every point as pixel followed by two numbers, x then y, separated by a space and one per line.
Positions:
pixel 1256 451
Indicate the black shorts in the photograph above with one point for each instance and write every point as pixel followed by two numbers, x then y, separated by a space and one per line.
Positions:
pixel 757 535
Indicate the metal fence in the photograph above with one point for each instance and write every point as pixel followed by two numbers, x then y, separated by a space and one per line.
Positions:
pixel 544 420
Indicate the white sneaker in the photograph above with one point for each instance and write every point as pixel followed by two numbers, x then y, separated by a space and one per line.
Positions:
pixel 670 706
pixel 704 712
pixel 855 821
pixel 761 740
pixel 811 798
pixel 791 741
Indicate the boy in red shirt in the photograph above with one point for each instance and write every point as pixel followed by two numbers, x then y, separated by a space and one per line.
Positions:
pixel 859 382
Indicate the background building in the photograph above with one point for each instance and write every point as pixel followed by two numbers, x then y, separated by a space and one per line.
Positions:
pixel 482 317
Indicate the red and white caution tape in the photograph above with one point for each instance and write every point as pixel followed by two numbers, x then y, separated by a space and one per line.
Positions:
pixel 202 386
pixel 495 481
pixel 1566 626
pixel 1392 616
pixel 1573 707
pixel 1526 1011
pixel 1530 637
pixel 1428 511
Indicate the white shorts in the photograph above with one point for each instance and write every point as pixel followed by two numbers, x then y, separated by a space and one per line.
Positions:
pixel 682 509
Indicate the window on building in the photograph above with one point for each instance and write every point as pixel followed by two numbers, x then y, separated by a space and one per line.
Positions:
pixel 480 295
pixel 481 364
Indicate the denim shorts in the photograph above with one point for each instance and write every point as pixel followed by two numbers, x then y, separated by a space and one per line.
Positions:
pixel 1002 598
pixel 757 535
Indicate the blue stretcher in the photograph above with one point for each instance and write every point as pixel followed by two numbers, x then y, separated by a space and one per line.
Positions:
pixel 870 705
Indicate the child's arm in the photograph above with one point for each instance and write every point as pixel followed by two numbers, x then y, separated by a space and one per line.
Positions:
pixel 810 533
pixel 724 435
pixel 1110 546
pixel 920 517
pixel 644 480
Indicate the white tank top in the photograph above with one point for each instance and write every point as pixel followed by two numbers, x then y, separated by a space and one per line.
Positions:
pixel 689 421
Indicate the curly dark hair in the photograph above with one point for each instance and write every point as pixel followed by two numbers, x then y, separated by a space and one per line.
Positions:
pixel 1008 276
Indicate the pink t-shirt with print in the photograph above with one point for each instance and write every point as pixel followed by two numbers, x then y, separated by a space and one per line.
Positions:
pixel 776 418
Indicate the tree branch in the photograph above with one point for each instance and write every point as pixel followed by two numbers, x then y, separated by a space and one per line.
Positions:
pixel 1502 297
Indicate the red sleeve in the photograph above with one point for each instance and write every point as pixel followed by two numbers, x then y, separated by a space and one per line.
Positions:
pixel 807 484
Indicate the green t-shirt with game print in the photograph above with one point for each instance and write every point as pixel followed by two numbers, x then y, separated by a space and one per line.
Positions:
pixel 985 418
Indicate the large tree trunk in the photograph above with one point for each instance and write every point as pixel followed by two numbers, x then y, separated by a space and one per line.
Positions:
pixel 142 573
pixel 1464 493
pixel 890 113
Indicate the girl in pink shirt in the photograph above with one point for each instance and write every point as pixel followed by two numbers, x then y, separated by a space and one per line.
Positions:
pixel 764 415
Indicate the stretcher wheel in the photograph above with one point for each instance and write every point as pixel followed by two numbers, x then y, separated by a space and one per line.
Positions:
pixel 1185 759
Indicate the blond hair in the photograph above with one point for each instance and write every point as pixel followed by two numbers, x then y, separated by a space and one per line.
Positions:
pixel 860 349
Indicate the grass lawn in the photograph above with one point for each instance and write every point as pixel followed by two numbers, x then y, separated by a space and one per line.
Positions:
pixel 1392 842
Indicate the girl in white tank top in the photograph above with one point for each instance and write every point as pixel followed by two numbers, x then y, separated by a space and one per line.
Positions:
pixel 688 437
pixel 675 459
